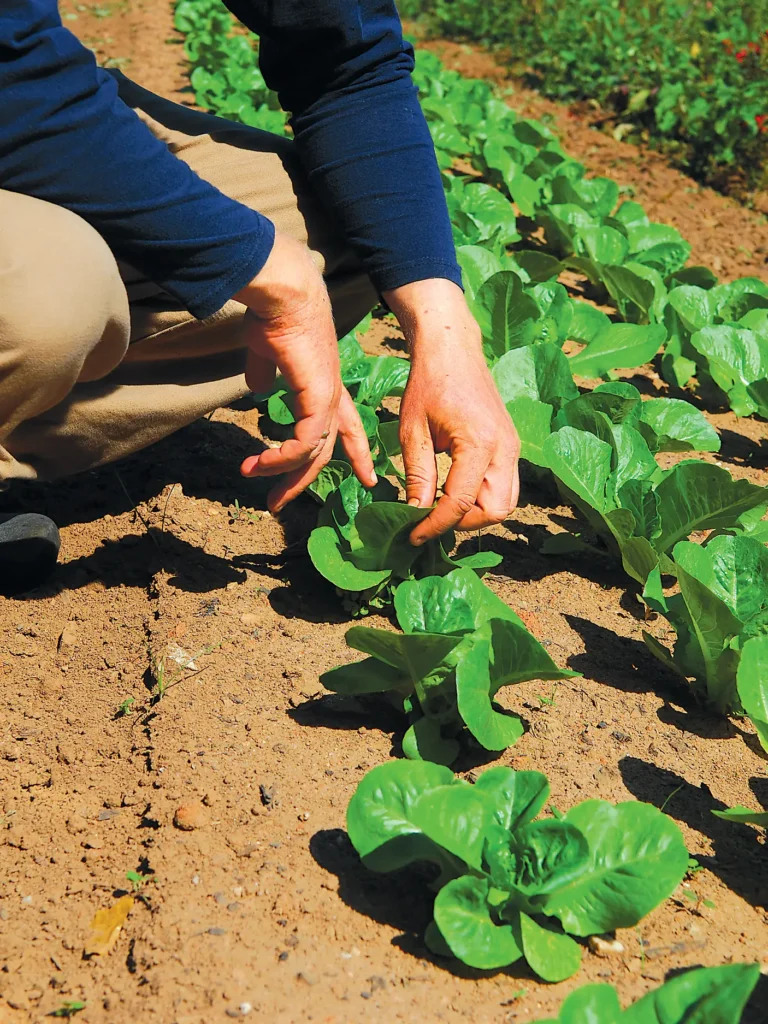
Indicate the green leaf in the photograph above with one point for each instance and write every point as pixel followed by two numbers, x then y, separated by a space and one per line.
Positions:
pixel 752 684
pixel 506 314
pixel 743 816
pixel 539 266
pixel 637 859
pixel 454 817
pixel 384 528
pixel 477 264
pixel 465 922
pixel 325 548
pixel 329 478
pixel 603 244
pixel 587 322
pixel 697 496
pixel 739 576
pixel 451 604
pixel 492 730
pixel 634 294
pixel 552 955
pixel 538 858
pixel 517 656
pixel 424 741
pixel 539 371
pixel 678 427
pixel 582 462
pixel 592 1004
pixel 514 797
pixel 379 815
pixel 736 357
pixel 709 995
pixel 619 345
pixel 388 376
pixel 368 676
pixel 532 420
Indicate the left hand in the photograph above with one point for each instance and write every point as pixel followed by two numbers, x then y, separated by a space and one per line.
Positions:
pixel 451 404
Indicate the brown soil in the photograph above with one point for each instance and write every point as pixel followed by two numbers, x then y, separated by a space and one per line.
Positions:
pixel 264 902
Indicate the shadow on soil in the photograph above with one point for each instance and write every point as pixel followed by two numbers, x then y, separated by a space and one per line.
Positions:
pixel 204 459
pixel 739 858
pixel 400 900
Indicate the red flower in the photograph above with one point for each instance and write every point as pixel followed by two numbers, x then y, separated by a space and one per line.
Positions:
pixel 761 120
pixel 728 45
pixel 753 47
pixel 741 55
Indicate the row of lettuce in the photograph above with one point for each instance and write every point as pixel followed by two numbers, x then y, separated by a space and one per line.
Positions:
pixel 509 886
pixel 691 78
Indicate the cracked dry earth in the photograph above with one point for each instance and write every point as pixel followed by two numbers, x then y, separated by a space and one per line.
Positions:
pixel 259 907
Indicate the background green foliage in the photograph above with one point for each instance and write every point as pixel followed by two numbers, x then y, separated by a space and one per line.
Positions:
pixel 692 77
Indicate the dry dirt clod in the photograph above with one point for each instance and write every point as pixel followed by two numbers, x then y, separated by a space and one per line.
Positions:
pixel 249 619
pixel 190 816
pixel 68 637
pixel 605 947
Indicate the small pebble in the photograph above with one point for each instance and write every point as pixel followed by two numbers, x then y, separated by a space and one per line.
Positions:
pixel 283 956
pixel 217 931
pixel 190 816
pixel 195 879
pixel 232 907
pixel 602 725
pixel 221 898
pixel 92 842
pixel 26 900
pixel 307 977
pixel 245 1009
pixel 304 816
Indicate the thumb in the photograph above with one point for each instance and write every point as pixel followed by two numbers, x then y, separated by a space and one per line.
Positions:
pixel 420 465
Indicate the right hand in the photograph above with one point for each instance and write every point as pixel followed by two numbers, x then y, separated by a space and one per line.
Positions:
pixel 289 326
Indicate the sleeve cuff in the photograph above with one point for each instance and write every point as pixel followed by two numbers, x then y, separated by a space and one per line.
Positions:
pixel 387 278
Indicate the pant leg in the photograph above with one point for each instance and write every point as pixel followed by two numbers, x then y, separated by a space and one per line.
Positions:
pixel 64 314
pixel 178 368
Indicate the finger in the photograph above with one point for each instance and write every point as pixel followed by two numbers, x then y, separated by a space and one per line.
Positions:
pixel 420 464
pixel 290 456
pixel 495 499
pixel 259 372
pixel 459 494
pixel 292 484
pixel 355 441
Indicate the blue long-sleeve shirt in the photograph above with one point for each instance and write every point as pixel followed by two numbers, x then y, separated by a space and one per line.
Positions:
pixel 339 66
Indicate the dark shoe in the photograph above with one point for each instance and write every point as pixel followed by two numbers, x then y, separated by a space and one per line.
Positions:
pixel 29 547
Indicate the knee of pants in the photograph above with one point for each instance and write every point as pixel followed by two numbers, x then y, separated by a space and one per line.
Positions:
pixel 64 311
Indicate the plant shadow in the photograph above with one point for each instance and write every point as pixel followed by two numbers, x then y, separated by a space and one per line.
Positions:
pixel 739 859
pixel 620 662
pixel 400 900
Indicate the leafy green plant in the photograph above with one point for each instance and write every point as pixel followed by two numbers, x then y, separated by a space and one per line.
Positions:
pixel 505 879
pixel 708 995
pixel 459 646
pixel 720 615
pixel 637 509
pixel 689 78
pixel 69 1008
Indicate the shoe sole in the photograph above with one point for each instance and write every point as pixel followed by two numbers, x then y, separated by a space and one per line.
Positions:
pixel 29 548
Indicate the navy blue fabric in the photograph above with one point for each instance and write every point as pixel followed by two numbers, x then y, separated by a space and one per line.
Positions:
pixel 340 67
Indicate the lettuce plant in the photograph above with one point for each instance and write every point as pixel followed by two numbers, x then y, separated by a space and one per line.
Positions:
pixel 720 615
pixel 510 887
pixel 361 545
pixel 460 644
pixel 708 995
pixel 637 509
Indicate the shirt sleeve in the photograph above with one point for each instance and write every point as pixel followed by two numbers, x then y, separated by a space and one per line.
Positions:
pixel 343 71
pixel 66 137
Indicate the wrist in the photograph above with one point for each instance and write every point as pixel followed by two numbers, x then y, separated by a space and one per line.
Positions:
pixel 435 318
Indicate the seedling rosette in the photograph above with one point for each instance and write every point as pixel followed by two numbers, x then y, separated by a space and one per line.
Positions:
pixel 708 995
pixel 508 886
pixel 460 645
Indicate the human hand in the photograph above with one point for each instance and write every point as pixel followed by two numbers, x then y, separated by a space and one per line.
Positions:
pixel 289 326
pixel 451 404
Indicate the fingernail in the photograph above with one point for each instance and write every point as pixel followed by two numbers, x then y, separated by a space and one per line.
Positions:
pixel 374 479
pixel 418 541
pixel 413 501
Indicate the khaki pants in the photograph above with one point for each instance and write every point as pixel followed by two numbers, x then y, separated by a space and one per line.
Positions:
pixel 97 362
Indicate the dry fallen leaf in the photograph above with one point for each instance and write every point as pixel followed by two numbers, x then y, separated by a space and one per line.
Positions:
pixel 106 925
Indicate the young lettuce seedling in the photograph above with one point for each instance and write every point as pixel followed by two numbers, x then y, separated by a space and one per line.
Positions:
pixel 506 880
pixel 460 644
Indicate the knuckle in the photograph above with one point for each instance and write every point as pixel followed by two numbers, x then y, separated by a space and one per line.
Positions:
pixel 463 503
